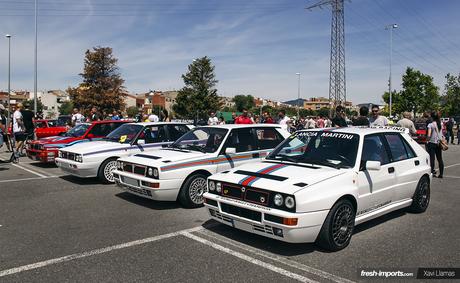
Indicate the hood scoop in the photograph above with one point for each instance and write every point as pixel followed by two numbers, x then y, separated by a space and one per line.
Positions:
pixel 147 156
pixel 166 161
pixel 301 184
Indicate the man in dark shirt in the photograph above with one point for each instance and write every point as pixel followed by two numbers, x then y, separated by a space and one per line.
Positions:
pixel 450 130
pixel 27 117
pixel 362 120
pixel 339 119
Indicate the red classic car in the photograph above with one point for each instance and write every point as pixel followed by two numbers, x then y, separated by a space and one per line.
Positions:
pixel 421 134
pixel 46 149
pixel 48 128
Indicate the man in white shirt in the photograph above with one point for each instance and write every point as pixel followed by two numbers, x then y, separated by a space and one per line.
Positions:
pixel 213 120
pixel 77 117
pixel 406 122
pixel 376 119
pixel 18 127
pixel 283 120
pixel 153 118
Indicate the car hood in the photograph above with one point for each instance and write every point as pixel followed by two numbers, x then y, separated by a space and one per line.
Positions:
pixel 96 147
pixel 56 141
pixel 278 177
pixel 166 157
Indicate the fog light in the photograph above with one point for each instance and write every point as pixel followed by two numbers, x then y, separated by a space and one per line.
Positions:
pixel 212 186
pixel 278 232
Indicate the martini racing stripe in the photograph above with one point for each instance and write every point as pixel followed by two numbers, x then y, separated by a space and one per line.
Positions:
pixel 131 147
pixel 249 180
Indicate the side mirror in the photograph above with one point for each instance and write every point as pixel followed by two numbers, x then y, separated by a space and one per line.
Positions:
pixel 230 150
pixel 90 136
pixel 140 142
pixel 373 165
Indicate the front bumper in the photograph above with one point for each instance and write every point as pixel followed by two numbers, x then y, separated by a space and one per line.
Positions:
pixel 42 155
pixel 79 169
pixel 306 231
pixel 167 190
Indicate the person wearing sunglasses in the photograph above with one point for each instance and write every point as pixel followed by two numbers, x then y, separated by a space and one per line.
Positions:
pixel 376 119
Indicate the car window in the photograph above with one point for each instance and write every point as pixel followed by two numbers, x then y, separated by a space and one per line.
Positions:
pixel 52 123
pixel 397 147
pixel 374 150
pixel 409 150
pixel 40 125
pixel 154 134
pixel 177 131
pixel 242 140
pixel 205 139
pixel 268 138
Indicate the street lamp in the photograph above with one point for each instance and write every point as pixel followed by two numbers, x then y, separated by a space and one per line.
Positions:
pixel 298 95
pixel 9 80
pixel 390 27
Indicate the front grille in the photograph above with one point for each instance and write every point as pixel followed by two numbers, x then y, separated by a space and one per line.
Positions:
pixel 219 215
pixel 232 191
pixel 140 191
pixel 263 228
pixel 67 155
pixel 257 196
pixel 134 168
pixel 35 146
pixel 241 212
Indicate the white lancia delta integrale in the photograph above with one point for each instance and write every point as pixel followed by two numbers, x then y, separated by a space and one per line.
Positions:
pixel 179 172
pixel 318 184
pixel 98 158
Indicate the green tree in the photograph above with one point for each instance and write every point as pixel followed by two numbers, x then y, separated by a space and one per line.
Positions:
pixel 30 104
pixel 199 95
pixel 451 105
pixel 102 85
pixel 243 102
pixel 66 108
pixel 132 111
pixel 419 93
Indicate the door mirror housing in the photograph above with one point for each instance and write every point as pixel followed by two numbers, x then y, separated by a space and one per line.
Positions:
pixel 140 142
pixel 90 136
pixel 230 150
pixel 373 165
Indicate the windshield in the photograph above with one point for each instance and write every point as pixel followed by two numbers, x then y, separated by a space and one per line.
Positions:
pixel 125 133
pixel 333 149
pixel 201 139
pixel 78 130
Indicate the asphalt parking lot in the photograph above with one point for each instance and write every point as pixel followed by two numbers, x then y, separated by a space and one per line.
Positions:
pixel 56 228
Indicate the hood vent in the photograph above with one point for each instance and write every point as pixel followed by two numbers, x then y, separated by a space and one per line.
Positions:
pixel 301 184
pixel 166 161
pixel 147 156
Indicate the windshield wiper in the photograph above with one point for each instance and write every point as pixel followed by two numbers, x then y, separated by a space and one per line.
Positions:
pixel 195 147
pixel 323 162
pixel 284 157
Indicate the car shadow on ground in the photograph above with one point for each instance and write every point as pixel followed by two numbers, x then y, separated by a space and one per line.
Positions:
pixel 282 248
pixel 44 165
pixel 152 204
pixel 81 181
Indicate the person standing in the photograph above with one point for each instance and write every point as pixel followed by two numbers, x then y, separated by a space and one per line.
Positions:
pixel 153 118
pixel 339 119
pixel 243 118
pixel 268 118
pixel 213 120
pixel 115 116
pixel 406 122
pixel 450 130
pixel 320 122
pixel 94 115
pixel 28 119
pixel 18 127
pixel 362 120
pixel 283 120
pixel 376 119
pixel 77 117
pixel 434 148
pixel 3 127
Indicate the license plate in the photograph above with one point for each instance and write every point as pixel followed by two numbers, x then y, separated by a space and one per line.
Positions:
pixel 130 181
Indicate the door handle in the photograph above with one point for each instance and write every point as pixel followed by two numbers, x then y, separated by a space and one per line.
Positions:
pixel 391 170
pixel 256 155
pixel 417 162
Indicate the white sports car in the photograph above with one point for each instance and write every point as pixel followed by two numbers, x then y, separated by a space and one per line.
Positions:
pixel 179 172
pixel 98 158
pixel 318 184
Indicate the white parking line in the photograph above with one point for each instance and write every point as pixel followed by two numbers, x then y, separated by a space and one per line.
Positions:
pixel 94 252
pixel 455 177
pixel 25 169
pixel 277 258
pixel 255 261
pixel 448 166
pixel 31 178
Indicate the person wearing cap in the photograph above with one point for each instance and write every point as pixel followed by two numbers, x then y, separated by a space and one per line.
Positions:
pixel 18 127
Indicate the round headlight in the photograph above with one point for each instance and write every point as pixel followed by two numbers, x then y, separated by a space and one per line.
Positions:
pixel 219 187
pixel 155 172
pixel 212 186
pixel 289 202
pixel 150 172
pixel 278 200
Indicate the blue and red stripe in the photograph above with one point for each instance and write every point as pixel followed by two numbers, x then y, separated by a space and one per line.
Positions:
pixel 249 180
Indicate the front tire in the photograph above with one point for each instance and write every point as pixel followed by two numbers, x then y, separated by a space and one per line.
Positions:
pixel 338 227
pixel 191 193
pixel 105 173
pixel 421 198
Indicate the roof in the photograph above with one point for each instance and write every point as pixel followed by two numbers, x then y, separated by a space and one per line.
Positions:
pixel 362 130
pixel 237 126
pixel 159 123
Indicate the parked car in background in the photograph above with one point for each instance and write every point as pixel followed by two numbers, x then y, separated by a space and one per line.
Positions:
pixel 64 120
pixel 422 133
pixel 98 158
pixel 179 172
pixel 46 149
pixel 48 128
pixel 318 184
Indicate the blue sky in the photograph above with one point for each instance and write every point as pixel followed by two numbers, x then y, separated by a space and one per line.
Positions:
pixel 256 46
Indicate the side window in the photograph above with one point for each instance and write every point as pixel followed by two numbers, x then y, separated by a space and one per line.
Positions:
pixel 409 150
pixel 40 125
pixel 268 138
pixel 374 150
pixel 155 134
pixel 97 130
pixel 177 131
pixel 397 148
pixel 242 140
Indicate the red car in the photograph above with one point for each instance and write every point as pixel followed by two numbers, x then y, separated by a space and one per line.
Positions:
pixel 46 149
pixel 421 134
pixel 48 128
